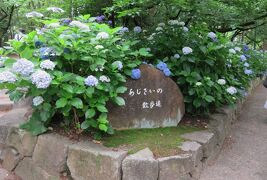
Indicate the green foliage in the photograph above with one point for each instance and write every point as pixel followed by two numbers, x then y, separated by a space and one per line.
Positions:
pixel 78 52
pixel 198 73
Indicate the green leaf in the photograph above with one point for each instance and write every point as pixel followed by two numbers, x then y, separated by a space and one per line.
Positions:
pixel 121 89
pixel 103 127
pixel 197 103
pixel 68 88
pixel 85 124
pixel 77 102
pixel 34 126
pixel 209 98
pixel 90 113
pixel 61 103
pixel 119 100
pixel 101 108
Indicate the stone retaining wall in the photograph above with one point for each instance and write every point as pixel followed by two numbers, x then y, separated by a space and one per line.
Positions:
pixel 53 157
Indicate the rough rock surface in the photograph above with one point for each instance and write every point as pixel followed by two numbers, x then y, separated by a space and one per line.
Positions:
pixel 140 165
pixel 152 101
pixel 88 161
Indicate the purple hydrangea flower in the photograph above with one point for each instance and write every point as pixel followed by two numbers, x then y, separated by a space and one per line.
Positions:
pixel 110 22
pixel 47 64
pixel 161 66
pixel 136 74
pixel 41 79
pixel 100 19
pixel 23 67
pixel 7 77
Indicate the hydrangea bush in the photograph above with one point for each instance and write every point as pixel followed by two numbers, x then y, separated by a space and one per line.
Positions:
pixel 210 70
pixel 71 69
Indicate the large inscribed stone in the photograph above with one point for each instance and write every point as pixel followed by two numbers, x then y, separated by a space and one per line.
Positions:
pixel 152 101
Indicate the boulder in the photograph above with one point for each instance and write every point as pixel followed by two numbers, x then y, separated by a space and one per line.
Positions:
pixel 152 101
pixel 88 161
pixel 140 165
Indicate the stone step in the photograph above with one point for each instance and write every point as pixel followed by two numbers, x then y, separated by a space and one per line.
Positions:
pixel 5 104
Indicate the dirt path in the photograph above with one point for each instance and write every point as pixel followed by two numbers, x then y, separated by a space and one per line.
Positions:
pixel 244 155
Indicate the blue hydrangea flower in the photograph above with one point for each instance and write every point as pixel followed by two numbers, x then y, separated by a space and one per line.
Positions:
pixel 91 81
pixel 246 64
pixel 67 50
pixel 136 74
pixel 118 64
pixel 245 48
pixel 243 58
pixel 161 66
pixel 137 29
pixel 38 44
pixel 167 72
pixel 47 53
pixel 248 71
pixel 65 21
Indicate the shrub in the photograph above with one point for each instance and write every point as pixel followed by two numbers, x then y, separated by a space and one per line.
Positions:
pixel 209 69
pixel 71 69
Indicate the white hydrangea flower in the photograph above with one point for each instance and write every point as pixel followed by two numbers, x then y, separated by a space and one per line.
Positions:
pixel 161 24
pixel 232 51
pixel 41 79
pixel 176 56
pixel 55 9
pixel 23 67
pixel 53 25
pixel 91 81
pixel 80 25
pixel 2 61
pixel 187 50
pixel 181 23
pixel 7 77
pixel 238 49
pixel 150 38
pixel 159 29
pixel 104 79
pixel 99 47
pixel 34 14
pixel 47 64
pixel 221 81
pixel 37 100
pixel 137 29
pixel 102 35
pixel 185 29
pixel 198 84
pixel 173 22
pixel 231 90
pixel 212 35
pixel 118 64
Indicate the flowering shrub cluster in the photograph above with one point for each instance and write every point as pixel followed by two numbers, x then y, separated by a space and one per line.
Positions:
pixel 210 70
pixel 71 69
